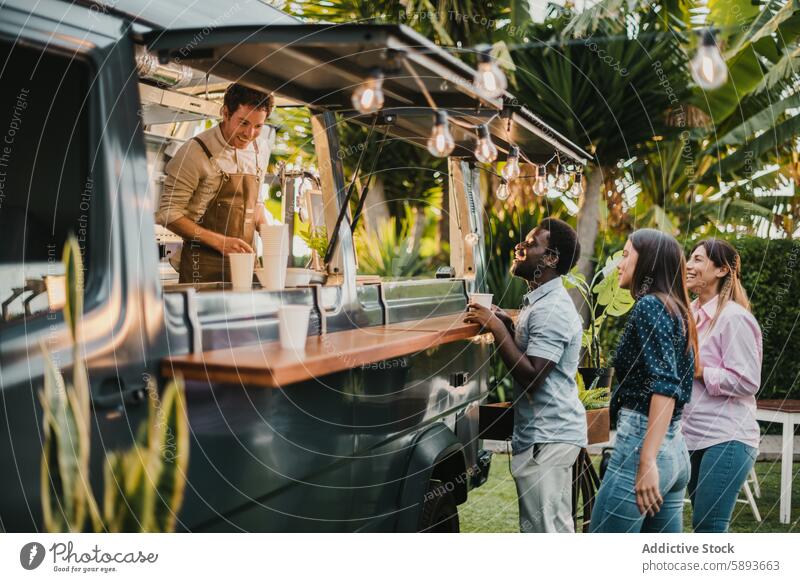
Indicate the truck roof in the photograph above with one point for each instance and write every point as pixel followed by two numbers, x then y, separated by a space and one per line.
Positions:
pixel 194 14
pixel 320 63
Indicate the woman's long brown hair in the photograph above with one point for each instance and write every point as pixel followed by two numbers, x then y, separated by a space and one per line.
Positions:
pixel 661 271
pixel 723 254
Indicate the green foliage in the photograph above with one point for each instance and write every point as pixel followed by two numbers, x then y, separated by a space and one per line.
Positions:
pixel 316 238
pixel 771 276
pixel 448 22
pixel 392 251
pixel 144 486
pixel 592 398
pixel 605 299
pixel 599 85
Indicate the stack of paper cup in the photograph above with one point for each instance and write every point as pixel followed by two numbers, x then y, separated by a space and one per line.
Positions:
pixel 275 245
pixel 293 326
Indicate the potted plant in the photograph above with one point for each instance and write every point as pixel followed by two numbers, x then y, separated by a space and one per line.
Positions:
pixel 604 298
pixel 316 238
pixel 595 401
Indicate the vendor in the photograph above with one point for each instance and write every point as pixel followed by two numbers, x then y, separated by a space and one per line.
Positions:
pixel 211 190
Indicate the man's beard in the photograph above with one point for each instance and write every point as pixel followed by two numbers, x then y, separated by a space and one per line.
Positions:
pixel 527 271
pixel 523 270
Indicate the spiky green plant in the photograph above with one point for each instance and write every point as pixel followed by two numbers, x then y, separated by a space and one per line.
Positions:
pixel 144 485
pixel 592 398
pixel 392 252
pixel 66 493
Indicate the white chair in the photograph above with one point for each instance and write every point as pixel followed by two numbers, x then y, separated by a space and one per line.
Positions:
pixel 751 494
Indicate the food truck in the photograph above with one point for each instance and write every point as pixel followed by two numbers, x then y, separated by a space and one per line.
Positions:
pixel 376 427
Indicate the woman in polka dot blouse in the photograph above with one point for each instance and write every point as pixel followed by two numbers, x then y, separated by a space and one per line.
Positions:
pixel 644 485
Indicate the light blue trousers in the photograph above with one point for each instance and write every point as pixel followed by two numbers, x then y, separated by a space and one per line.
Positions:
pixel 615 507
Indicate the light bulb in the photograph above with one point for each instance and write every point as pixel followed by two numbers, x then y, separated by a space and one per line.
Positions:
pixel 485 151
pixel 577 186
pixel 441 143
pixel 502 191
pixel 471 239
pixel 562 181
pixel 368 98
pixel 540 187
pixel 489 78
pixel 708 67
pixel 511 169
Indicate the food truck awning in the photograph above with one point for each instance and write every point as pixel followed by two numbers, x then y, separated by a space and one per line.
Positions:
pixel 322 64
pixel 193 14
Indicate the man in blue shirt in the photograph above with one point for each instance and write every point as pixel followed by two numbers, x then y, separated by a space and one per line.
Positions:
pixel 542 353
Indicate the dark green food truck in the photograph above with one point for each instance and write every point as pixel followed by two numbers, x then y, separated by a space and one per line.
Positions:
pixel 96 97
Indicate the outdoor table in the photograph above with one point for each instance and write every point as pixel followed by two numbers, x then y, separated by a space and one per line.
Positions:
pixel 267 365
pixel 786 412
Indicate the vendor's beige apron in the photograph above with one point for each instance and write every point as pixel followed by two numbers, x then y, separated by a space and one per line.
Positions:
pixel 231 213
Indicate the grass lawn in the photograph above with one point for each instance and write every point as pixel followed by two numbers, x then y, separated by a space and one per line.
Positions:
pixel 493 507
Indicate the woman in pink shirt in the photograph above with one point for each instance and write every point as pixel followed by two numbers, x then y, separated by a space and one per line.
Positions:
pixel 719 422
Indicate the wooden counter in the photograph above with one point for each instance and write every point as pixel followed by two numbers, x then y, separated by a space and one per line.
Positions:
pixel 267 365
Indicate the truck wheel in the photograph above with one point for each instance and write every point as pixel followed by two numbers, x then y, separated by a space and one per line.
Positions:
pixel 439 510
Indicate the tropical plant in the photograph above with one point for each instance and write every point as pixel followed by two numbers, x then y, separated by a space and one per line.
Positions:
pixel 602 84
pixel 604 298
pixel 736 142
pixel 392 251
pixel 592 398
pixel 143 486
pixel 448 22
pixel 317 240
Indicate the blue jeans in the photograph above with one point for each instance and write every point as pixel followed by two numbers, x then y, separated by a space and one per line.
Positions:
pixel 615 507
pixel 718 474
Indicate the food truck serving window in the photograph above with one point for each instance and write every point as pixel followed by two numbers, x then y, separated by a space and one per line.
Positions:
pixel 45 185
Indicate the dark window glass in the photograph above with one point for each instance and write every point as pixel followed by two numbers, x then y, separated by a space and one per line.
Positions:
pixel 45 184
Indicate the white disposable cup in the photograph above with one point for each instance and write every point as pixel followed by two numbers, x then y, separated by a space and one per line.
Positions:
pixel 293 326
pixel 275 239
pixel 273 273
pixel 242 270
pixel 484 299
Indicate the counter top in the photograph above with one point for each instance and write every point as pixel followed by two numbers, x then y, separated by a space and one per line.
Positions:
pixel 267 365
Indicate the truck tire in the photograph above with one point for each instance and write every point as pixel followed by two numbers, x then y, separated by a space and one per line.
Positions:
pixel 439 510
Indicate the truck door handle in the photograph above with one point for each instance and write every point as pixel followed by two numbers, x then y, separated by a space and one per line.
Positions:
pixel 458 379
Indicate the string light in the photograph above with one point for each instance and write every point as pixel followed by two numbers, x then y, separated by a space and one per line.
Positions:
pixel 368 97
pixel 708 67
pixel 441 142
pixel 562 179
pixel 485 150
pixel 502 191
pixel 471 238
pixel 489 78
pixel 577 186
pixel 540 187
pixel 511 170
